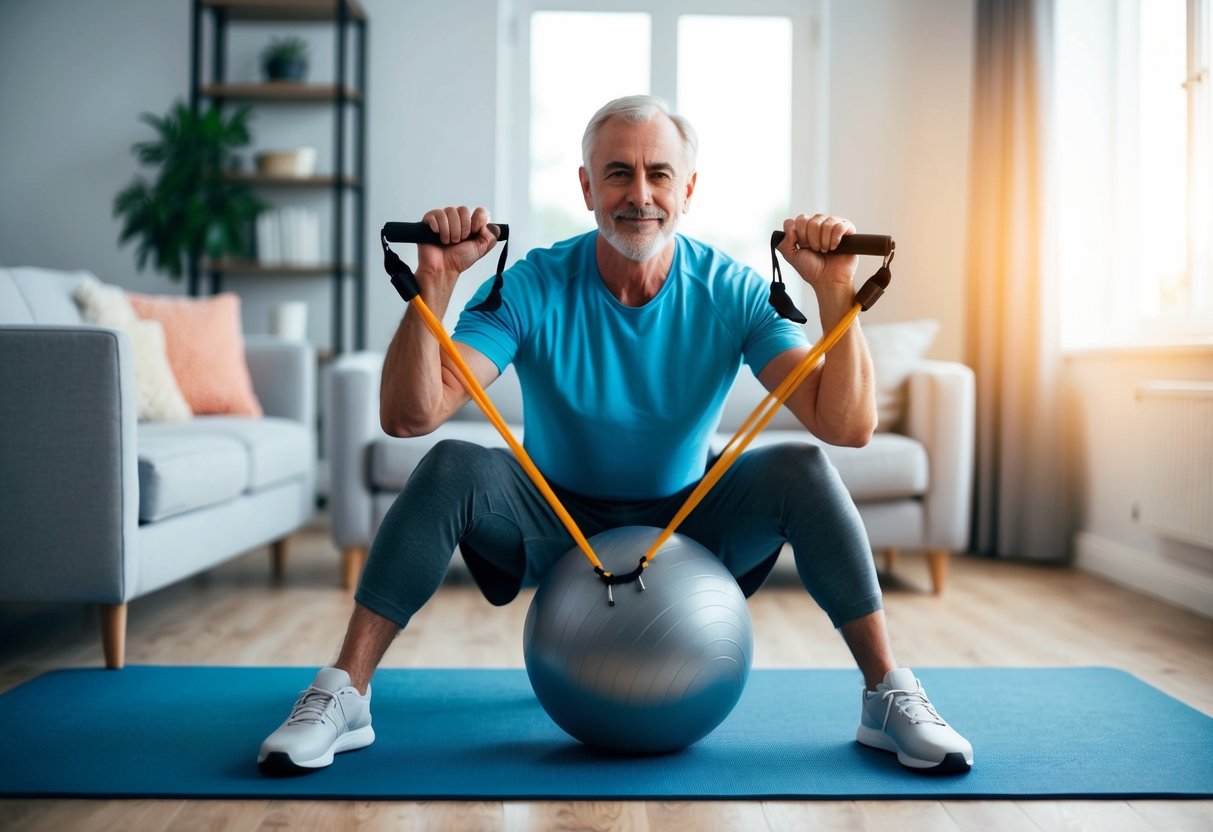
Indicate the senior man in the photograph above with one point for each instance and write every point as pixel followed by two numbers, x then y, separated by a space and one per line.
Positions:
pixel 626 341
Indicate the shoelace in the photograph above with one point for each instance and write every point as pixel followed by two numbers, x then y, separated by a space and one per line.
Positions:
pixel 913 703
pixel 313 706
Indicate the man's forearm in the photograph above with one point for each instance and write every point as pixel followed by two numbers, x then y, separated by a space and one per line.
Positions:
pixel 846 405
pixel 413 394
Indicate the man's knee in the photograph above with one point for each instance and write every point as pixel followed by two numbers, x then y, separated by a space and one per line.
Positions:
pixel 451 458
pixel 796 464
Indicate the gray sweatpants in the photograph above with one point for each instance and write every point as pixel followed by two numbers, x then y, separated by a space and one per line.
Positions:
pixel 480 500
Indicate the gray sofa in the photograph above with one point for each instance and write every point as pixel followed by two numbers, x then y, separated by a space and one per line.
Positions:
pixel 912 483
pixel 98 507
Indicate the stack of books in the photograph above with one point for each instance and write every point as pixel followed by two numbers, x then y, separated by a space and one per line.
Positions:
pixel 288 236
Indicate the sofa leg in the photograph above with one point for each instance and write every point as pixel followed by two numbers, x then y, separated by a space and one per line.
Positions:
pixel 938 560
pixel 890 560
pixel 113 635
pixel 278 557
pixel 353 559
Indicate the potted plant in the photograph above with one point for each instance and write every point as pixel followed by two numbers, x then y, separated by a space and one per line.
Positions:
pixel 192 208
pixel 285 59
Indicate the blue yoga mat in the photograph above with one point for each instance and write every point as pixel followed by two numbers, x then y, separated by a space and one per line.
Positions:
pixel 467 734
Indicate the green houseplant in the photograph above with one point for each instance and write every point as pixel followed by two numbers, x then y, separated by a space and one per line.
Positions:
pixel 191 209
pixel 285 59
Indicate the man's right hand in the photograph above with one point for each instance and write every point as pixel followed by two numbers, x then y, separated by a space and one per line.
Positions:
pixel 465 236
pixel 420 388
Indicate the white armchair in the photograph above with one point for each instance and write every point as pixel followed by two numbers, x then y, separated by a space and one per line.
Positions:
pixel 912 484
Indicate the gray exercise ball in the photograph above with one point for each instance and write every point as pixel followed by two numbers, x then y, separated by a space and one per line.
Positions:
pixel 657 671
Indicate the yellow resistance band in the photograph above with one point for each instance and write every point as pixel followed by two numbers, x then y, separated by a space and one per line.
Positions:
pixel 754 425
pixel 481 398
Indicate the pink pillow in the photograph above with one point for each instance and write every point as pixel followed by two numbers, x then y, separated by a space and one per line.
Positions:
pixel 205 348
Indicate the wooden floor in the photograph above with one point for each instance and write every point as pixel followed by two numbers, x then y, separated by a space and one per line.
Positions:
pixel 992 614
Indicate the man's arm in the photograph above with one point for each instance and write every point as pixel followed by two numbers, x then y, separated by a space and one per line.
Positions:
pixel 837 401
pixel 420 387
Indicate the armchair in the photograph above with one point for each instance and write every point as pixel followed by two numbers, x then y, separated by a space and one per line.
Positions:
pixel 912 484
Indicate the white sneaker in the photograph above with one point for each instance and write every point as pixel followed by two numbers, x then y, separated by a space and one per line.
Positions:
pixel 898 717
pixel 329 717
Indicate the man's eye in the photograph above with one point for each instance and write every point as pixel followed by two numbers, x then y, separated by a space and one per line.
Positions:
pixel 616 174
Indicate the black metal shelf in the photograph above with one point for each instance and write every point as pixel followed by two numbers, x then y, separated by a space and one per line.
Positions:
pixel 348 261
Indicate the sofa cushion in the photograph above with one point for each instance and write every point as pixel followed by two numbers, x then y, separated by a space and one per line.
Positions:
pixel 180 471
pixel 895 349
pixel 889 467
pixel 278 449
pixel 157 396
pixel 393 460
pixel 188 465
pixel 205 347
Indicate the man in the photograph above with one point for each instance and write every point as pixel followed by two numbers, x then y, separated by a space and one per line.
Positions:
pixel 626 341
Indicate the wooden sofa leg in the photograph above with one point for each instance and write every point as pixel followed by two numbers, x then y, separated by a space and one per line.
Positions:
pixel 113 635
pixel 353 558
pixel 890 560
pixel 278 556
pixel 938 560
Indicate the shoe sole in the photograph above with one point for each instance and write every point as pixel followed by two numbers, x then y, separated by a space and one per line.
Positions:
pixel 280 762
pixel 952 763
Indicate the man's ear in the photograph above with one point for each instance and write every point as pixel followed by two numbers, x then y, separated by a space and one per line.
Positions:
pixel 686 202
pixel 585 188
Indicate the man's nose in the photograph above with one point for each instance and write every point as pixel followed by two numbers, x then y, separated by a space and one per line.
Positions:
pixel 640 193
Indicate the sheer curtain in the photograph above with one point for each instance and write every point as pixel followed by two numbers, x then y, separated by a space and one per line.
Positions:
pixel 1013 345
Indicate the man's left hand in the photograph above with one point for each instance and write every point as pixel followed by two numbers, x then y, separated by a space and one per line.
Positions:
pixel 807 244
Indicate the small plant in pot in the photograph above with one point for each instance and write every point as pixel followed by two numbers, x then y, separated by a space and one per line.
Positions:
pixel 285 59
pixel 191 209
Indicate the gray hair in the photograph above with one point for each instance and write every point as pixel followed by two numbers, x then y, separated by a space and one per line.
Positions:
pixel 639 108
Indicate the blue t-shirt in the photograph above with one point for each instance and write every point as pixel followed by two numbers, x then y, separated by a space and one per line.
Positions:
pixel 621 402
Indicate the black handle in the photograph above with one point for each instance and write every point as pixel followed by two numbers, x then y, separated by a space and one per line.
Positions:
pixel 419 232
pixel 878 245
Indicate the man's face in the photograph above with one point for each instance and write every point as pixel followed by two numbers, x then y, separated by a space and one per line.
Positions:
pixel 637 184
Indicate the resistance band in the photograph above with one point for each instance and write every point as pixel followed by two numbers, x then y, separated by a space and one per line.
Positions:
pixel 867 295
pixel 406 285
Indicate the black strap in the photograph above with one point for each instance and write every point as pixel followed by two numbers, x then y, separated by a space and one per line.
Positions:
pixel 779 292
pixel 405 280
pixel 867 295
pixel 612 580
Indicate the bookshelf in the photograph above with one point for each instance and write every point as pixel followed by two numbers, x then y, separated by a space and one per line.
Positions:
pixel 342 185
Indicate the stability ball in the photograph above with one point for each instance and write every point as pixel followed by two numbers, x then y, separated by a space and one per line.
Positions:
pixel 658 670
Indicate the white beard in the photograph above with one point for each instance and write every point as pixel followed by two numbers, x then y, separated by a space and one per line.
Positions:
pixel 633 247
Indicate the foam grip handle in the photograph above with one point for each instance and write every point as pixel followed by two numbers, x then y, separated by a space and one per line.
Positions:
pixel 878 245
pixel 419 232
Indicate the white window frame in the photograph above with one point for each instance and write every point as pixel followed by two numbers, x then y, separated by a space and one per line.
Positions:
pixel 809 186
pixel 1116 250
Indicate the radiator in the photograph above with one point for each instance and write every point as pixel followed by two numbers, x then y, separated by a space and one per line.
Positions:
pixel 1177 488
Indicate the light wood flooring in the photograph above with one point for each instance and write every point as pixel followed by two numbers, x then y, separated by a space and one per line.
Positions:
pixel 993 613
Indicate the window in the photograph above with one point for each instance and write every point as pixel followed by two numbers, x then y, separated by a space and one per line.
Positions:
pixel 1133 155
pixel 744 73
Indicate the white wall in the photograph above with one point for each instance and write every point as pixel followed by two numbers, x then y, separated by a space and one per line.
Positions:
pixel 1111 460
pixel 900 106
pixel 74 77
pixel 76 74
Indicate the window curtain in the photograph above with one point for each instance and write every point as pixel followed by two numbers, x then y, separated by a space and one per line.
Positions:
pixel 1013 338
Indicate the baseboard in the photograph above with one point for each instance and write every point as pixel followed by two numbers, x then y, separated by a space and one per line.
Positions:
pixel 1145 572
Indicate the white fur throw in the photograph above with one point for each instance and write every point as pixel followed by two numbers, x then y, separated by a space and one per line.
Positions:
pixel 157 396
